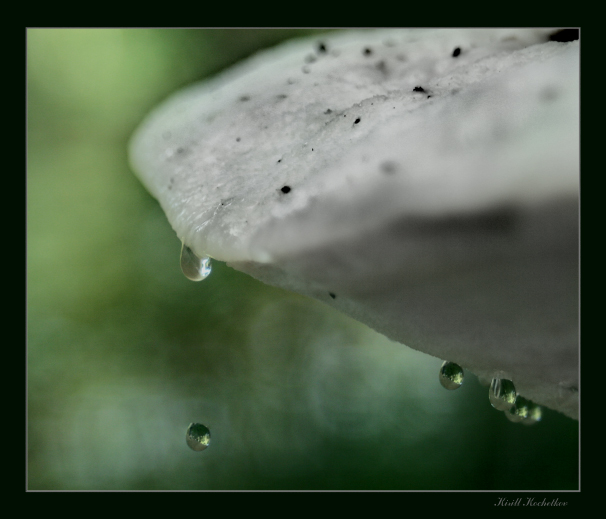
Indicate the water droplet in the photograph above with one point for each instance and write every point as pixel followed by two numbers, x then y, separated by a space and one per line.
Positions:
pixel 502 394
pixel 451 375
pixel 197 436
pixel 535 413
pixel 193 267
pixel 519 411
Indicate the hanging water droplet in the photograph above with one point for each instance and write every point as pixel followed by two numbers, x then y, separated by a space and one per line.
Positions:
pixel 502 394
pixel 197 436
pixel 535 413
pixel 451 375
pixel 519 411
pixel 194 268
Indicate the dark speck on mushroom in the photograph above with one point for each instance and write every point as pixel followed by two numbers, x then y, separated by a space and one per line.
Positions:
pixel 332 295
pixel 321 47
pixel 244 98
pixel 328 111
pixel 285 189
pixel 367 51
pixel 357 120
pixel 418 89
pixel 238 139
pixel 279 160
pixel 456 52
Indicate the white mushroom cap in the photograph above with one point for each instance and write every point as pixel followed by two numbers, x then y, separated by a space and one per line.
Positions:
pixel 431 194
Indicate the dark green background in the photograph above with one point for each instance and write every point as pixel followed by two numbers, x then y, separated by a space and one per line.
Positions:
pixel 124 352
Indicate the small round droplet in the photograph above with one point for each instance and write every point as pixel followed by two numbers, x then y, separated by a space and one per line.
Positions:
pixel 519 411
pixel 451 375
pixel 193 267
pixel 535 413
pixel 197 436
pixel 502 394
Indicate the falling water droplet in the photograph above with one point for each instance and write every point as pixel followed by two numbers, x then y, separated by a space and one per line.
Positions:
pixel 193 267
pixel 197 436
pixel 502 394
pixel 519 411
pixel 451 375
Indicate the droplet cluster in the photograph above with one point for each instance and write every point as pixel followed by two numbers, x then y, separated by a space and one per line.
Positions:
pixel 502 395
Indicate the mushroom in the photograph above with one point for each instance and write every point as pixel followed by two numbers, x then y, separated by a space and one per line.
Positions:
pixel 425 182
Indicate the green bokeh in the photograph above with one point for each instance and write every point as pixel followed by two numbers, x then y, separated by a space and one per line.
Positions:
pixel 124 352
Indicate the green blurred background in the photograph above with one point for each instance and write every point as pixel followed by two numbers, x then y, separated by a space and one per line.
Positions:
pixel 124 352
